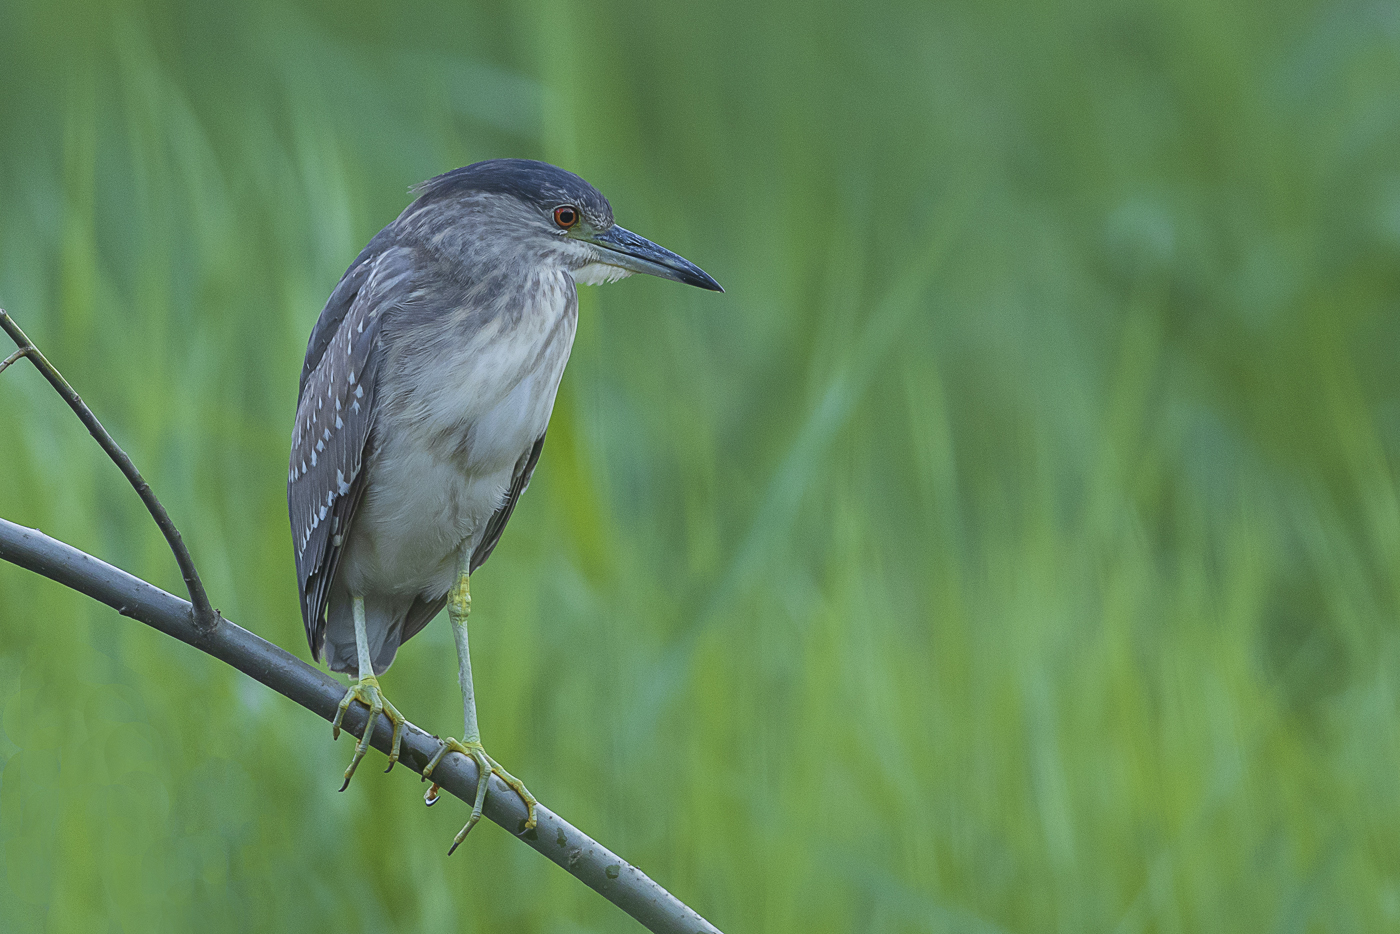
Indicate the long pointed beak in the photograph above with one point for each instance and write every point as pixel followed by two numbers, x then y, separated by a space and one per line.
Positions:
pixel 621 247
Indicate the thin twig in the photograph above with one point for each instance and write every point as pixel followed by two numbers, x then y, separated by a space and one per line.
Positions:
pixel 204 616
pixel 600 869
pixel 22 352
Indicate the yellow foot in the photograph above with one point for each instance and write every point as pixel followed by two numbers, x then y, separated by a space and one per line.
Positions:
pixel 366 691
pixel 485 766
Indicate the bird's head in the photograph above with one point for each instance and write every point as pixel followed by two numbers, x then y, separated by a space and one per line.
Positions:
pixel 536 210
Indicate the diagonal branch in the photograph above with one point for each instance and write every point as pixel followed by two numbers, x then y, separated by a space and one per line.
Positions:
pixel 198 624
pixel 595 865
pixel 204 615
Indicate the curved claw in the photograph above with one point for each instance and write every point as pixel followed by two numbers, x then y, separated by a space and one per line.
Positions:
pixel 397 720
pixel 367 692
pixel 485 766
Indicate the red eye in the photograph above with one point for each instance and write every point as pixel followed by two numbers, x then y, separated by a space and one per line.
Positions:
pixel 566 216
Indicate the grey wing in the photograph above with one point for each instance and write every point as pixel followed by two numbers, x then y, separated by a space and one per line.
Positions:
pixel 335 419
pixel 420 615
pixel 423 611
pixel 339 304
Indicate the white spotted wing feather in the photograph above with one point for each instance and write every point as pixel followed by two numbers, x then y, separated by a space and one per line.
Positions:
pixel 335 418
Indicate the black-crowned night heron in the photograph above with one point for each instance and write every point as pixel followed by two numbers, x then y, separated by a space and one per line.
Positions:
pixel 427 387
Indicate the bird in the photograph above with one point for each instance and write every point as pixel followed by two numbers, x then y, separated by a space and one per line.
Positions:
pixel 424 400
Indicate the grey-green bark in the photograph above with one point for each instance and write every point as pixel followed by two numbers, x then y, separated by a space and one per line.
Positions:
pixel 605 872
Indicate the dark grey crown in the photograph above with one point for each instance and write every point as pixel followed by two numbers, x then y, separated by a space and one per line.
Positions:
pixel 538 183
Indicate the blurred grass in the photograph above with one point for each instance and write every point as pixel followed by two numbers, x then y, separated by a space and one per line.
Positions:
pixel 1015 547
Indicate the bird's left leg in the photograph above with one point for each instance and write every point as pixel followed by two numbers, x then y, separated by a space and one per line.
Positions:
pixel 459 605
pixel 366 691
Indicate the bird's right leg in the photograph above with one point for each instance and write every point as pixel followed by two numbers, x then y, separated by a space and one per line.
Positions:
pixel 366 691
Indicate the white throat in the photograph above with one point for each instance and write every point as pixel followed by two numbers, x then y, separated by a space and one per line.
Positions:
pixel 599 274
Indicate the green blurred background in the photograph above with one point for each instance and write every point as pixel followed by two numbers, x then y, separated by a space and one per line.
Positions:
pixel 1015 547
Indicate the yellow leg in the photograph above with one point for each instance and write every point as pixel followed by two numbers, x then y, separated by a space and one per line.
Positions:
pixel 366 691
pixel 459 606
